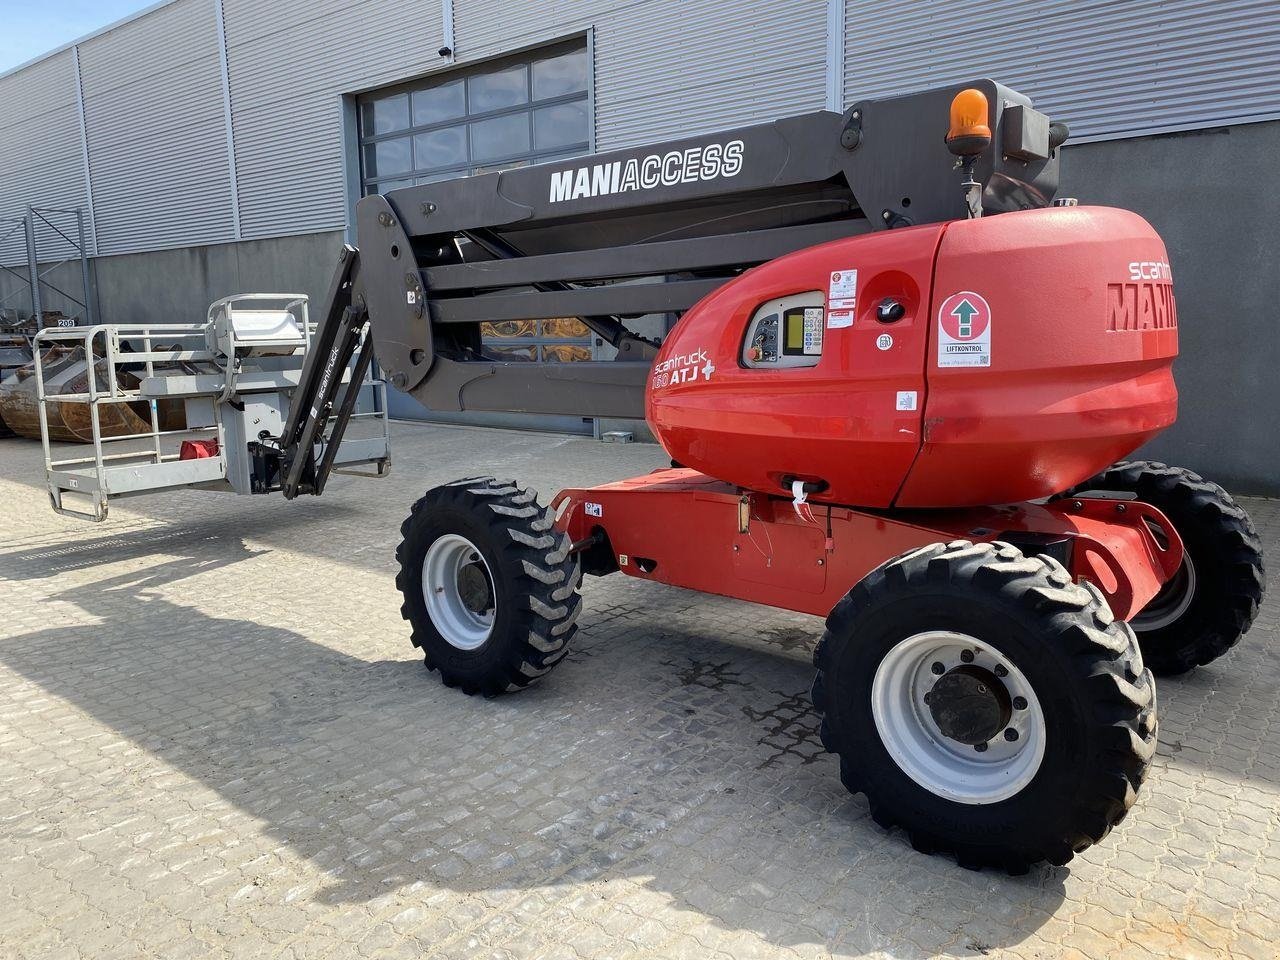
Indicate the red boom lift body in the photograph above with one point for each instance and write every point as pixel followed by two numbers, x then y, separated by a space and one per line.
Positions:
pixel 890 399
pixel 1075 373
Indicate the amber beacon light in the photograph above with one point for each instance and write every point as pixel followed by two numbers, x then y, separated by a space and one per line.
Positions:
pixel 969 134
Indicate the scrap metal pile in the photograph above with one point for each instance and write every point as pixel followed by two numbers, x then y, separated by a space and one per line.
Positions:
pixel 66 371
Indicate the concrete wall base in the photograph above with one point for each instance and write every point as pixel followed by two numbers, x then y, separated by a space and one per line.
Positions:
pixel 1209 194
pixel 177 286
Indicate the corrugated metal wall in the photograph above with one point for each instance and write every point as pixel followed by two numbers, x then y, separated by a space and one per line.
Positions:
pixel 157 144
pixel 41 160
pixel 665 67
pixel 1110 69
pixel 157 131
pixel 290 62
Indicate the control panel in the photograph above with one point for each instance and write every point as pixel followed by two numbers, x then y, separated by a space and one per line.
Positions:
pixel 786 332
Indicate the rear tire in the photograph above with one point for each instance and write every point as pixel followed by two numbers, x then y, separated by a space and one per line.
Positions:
pixel 1213 600
pixel 1073 692
pixel 489 585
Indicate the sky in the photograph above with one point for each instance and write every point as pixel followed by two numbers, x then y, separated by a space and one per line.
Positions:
pixel 33 27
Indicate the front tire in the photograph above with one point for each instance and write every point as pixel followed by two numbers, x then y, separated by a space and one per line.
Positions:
pixel 490 588
pixel 1213 599
pixel 986 704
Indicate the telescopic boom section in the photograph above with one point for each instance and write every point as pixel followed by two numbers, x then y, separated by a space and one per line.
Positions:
pixel 646 231
pixel 342 328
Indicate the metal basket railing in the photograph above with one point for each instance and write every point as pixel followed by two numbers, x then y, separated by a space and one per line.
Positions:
pixel 122 360
pixel 106 362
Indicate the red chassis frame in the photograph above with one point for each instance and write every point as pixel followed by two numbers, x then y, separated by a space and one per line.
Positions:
pixel 682 528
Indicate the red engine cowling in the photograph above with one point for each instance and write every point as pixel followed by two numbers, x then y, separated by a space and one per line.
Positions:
pixel 1017 355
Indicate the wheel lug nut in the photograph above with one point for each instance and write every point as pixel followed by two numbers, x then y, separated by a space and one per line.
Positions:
pixel 928 697
pixel 980 747
pixel 966 656
pixel 1019 703
pixel 1011 734
pixel 1001 670
pixel 938 668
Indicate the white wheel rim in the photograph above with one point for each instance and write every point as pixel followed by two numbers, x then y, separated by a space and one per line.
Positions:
pixel 1171 602
pixel 448 587
pixel 944 766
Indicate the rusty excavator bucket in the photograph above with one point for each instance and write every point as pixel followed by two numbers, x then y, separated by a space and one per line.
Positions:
pixel 66 371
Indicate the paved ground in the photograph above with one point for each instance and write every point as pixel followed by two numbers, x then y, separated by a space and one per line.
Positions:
pixel 215 740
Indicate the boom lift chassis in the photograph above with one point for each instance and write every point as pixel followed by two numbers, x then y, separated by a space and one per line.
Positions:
pixel 977 677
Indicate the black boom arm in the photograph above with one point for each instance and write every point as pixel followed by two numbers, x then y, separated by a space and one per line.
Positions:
pixel 612 237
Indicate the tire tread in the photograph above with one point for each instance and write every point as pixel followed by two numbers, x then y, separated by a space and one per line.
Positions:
pixel 1185 494
pixel 547 575
pixel 1103 652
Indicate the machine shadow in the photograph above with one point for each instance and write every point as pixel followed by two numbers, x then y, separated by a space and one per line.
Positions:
pixel 659 759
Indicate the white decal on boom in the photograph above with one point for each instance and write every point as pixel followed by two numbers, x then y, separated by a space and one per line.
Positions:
pixel 711 162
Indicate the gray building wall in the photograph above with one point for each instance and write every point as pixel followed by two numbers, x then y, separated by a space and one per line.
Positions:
pixel 15 288
pixel 41 155
pixel 155 133
pixel 177 286
pixel 1209 194
pixel 1111 68
pixel 203 121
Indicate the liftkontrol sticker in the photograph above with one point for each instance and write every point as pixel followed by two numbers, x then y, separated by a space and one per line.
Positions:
pixel 964 331
pixel 842 298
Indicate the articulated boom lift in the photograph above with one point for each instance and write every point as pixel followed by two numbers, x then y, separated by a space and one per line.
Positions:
pixel 898 396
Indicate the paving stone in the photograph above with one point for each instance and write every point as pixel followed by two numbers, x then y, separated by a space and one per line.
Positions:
pixel 218 741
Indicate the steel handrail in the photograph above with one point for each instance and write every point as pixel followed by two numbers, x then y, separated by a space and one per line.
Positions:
pixel 213 344
pixel 99 344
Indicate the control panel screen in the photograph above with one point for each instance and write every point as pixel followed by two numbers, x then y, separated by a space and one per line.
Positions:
pixel 786 332
pixel 803 327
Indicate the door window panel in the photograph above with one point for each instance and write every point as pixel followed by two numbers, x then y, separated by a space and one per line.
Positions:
pixel 565 353
pixel 386 115
pixel 494 91
pixel 555 128
pixel 565 327
pixel 558 76
pixel 388 157
pixel 438 104
pixel 506 352
pixel 506 329
pixel 500 137
pixel 446 147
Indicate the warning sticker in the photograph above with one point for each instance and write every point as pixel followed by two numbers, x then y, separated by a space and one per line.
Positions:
pixel 907 400
pixel 839 318
pixel 964 331
pixel 842 292
pixel 813 331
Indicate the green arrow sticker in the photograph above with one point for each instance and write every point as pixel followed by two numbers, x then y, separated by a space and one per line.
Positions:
pixel 964 312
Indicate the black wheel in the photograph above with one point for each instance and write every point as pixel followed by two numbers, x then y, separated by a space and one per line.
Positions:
pixel 1213 599
pixel 489 586
pixel 986 704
